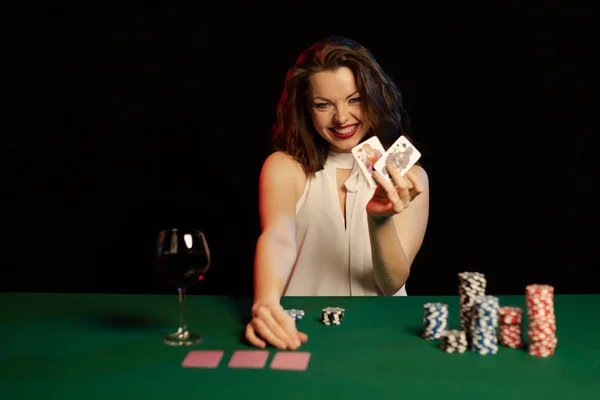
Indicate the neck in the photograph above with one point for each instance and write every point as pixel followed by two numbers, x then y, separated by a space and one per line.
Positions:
pixel 340 160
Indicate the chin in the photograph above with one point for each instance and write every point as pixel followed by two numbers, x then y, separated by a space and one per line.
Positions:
pixel 344 147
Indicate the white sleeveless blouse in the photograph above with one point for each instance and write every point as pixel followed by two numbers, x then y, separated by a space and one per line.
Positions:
pixel 332 260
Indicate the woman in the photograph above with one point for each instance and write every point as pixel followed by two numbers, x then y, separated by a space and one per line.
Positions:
pixel 325 231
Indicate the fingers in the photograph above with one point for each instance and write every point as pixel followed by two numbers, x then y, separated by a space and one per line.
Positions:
pixel 409 186
pixel 384 184
pixel 273 321
pixel 303 337
pixel 275 326
pixel 288 325
pixel 265 332
pixel 403 192
pixel 253 339
pixel 397 193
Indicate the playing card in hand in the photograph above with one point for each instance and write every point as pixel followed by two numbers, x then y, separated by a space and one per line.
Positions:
pixel 402 155
pixel 367 154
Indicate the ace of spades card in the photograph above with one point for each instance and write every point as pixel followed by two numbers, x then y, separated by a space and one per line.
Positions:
pixel 402 155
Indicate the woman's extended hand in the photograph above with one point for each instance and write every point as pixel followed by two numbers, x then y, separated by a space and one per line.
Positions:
pixel 390 199
pixel 271 324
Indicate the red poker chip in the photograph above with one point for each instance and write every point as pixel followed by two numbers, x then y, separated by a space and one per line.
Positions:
pixel 510 320
pixel 542 325
pixel 511 327
pixel 540 313
pixel 541 349
pixel 508 330
pixel 539 289
pixel 510 335
pixel 549 341
pixel 540 305
pixel 515 333
pixel 536 352
pixel 510 315
pixel 540 302
pixel 539 299
pixel 550 318
pixel 536 336
pixel 514 344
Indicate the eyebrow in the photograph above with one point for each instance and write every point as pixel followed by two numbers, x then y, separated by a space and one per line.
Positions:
pixel 326 99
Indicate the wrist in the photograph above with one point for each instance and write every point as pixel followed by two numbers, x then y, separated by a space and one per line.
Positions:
pixel 376 221
pixel 268 298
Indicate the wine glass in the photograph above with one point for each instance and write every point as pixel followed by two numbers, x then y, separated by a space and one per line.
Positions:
pixel 182 260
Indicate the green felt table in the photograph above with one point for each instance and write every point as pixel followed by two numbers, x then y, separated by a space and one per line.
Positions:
pixel 101 346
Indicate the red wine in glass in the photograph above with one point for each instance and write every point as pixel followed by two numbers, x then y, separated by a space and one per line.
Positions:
pixel 182 259
pixel 181 270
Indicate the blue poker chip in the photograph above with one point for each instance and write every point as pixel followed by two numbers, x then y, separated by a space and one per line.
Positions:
pixel 485 315
pixel 435 320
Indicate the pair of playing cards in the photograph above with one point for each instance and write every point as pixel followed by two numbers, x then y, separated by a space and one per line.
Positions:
pixel 371 156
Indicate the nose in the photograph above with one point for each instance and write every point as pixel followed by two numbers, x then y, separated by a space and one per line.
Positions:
pixel 341 116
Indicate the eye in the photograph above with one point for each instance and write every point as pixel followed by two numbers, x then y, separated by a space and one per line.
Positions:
pixel 355 100
pixel 321 106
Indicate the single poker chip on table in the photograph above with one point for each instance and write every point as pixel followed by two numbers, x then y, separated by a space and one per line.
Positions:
pixel 332 315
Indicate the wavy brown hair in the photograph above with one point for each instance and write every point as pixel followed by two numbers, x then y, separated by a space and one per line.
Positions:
pixel 293 131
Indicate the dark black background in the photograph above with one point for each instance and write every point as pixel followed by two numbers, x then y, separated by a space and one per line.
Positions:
pixel 137 118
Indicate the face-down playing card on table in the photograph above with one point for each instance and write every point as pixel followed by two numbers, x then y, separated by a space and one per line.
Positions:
pixel 292 360
pixel 203 359
pixel 249 359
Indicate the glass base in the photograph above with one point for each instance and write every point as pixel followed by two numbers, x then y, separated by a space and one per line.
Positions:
pixel 182 338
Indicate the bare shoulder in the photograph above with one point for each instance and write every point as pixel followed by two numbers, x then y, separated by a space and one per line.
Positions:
pixel 280 159
pixel 282 171
pixel 421 175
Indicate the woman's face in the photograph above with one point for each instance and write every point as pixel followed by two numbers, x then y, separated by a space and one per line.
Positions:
pixel 336 109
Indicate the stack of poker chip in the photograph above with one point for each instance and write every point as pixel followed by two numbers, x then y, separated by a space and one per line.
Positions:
pixel 510 328
pixel 332 315
pixel 435 320
pixel 454 341
pixel 541 331
pixel 471 285
pixel 484 323
pixel 295 314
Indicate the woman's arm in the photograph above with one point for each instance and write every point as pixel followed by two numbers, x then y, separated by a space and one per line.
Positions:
pixel 397 235
pixel 280 181
pixel 275 255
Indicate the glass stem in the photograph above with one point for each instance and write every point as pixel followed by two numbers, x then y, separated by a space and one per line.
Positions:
pixel 182 326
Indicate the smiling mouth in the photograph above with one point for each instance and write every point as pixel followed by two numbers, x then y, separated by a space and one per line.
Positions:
pixel 344 131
